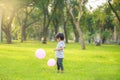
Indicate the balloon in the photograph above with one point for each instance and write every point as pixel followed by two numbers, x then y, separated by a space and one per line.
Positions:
pixel 40 53
pixel 51 62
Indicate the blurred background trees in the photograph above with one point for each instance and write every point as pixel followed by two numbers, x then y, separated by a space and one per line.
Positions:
pixel 41 19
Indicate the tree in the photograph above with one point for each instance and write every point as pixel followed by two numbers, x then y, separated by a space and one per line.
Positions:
pixel 0 25
pixel 115 7
pixel 57 16
pixel 8 15
pixel 10 8
pixel 27 17
pixel 47 16
pixel 117 3
pixel 76 6
pixel 87 21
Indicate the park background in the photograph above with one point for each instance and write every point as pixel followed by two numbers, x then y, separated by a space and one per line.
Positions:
pixel 92 36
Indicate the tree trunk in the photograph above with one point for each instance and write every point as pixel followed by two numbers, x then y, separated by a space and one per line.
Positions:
pixel 44 28
pixel 23 33
pixel 56 26
pixel 76 35
pixel 0 26
pixel 103 40
pixel 44 35
pixel 75 32
pixel 7 24
pixel 47 19
pixel 65 31
pixel 115 34
pixel 8 37
pixel 46 24
pixel 8 34
pixel 81 35
pixel 77 21
pixel 7 30
pixel 39 34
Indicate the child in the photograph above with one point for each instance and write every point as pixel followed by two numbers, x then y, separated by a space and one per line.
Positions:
pixel 60 52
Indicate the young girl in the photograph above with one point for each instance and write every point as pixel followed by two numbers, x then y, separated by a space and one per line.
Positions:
pixel 60 52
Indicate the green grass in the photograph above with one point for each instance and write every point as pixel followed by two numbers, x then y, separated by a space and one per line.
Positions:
pixel 18 62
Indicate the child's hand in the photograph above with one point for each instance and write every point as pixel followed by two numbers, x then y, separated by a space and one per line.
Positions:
pixel 58 49
pixel 55 49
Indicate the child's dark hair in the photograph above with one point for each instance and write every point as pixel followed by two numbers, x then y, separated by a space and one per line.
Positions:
pixel 60 35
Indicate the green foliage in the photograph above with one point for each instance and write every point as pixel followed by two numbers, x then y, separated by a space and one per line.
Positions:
pixel 100 19
pixel 106 34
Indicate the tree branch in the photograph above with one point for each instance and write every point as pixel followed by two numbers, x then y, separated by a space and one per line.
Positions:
pixel 32 22
pixel 80 10
pixel 114 11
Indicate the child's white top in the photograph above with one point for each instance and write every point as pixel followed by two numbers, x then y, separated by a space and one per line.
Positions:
pixel 60 53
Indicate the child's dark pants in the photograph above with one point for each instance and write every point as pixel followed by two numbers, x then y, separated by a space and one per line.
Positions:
pixel 60 64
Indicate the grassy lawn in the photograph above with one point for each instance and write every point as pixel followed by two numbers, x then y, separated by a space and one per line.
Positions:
pixel 18 62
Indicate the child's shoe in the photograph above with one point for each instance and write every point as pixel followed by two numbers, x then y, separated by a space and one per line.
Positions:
pixel 62 71
pixel 58 71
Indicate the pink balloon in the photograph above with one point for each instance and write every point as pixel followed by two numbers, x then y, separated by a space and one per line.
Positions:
pixel 40 53
pixel 51 62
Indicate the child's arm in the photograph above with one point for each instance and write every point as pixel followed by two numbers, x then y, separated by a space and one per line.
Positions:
pixel 58 49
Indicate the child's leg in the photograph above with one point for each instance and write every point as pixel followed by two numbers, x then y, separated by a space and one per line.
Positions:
pixel 58 66
pixel 60 63
pixel 62 68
